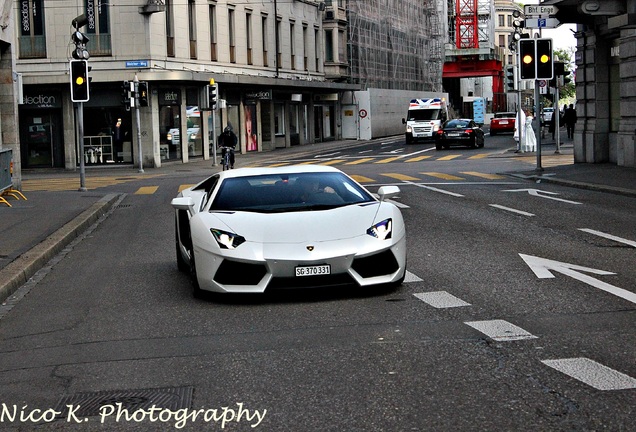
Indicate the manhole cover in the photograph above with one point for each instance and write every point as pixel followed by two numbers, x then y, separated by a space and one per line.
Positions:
pixel 89 404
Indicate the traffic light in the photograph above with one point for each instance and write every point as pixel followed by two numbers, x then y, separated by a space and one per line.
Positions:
pixel 527 55
pixel 143 93
pixel 212 96
pixel 127 90
pixel 511 77
pixel 80 40
pixel 544 59
pixel 79 81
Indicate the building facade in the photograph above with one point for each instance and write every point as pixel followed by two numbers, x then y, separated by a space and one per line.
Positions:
pixel 605 79
pixel 266 58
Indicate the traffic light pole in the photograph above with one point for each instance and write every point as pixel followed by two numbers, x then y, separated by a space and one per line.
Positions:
pixel 537 105
pixel 79 115
pixel 139 151
pixel 557 119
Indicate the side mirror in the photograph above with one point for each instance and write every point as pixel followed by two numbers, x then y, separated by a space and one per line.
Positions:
pixel 403 121
pixel 183 203
pixel 387 192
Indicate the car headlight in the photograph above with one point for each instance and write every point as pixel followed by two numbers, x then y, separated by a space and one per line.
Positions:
pixel 227 240
pixel 381 230
pixel 409 129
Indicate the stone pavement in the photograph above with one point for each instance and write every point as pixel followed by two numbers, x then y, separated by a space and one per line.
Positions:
pixel 34 231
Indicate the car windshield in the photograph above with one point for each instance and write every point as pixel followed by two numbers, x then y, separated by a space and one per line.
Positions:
pixel 288 192
pixel 423 114
pixel 456 124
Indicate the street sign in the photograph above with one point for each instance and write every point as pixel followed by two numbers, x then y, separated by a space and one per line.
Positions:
pixel 536 23
pixel 540 10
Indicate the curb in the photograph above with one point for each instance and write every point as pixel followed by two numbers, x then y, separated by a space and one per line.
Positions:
pixel 580 185
pixel 19 271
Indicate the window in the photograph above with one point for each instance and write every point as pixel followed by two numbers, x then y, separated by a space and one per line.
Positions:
pixel 192 28
pixel 305 49
pixel 32 37
pixel 232 34
pixel 98 27
pixel 502 20
pixel 248 35
pixel 279 54
pixel 292 44
pixel 329 46
pixel 213 40
pixel 502 41
pixel 265 39
pixel 169 29
pixel 317 48
pixel 279 119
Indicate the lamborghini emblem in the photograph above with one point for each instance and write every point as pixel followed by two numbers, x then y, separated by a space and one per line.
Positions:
pixel 310 248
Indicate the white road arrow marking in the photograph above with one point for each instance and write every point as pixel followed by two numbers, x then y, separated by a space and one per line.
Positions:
pixel 543 268
pixel 608 236
pixel 538 193
pixel 326 155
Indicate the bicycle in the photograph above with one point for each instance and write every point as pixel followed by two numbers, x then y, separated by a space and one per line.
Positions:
pixel 226 158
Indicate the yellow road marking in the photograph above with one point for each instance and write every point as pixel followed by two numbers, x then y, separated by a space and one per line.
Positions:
pixel 332 162
pixel 146 190
pixel 362 179
pixel 484 175
pixel 480 156
pixel 442 176
pixel 417 159
pixel 391 159
pixel 400 177
pixel 278 164
pixel 449 157
pixel 359 161
pixel 184 186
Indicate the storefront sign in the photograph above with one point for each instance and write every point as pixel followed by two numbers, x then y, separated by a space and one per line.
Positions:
pixel 262 95
pixel 326 97
pixel 32 100
pixel 170 97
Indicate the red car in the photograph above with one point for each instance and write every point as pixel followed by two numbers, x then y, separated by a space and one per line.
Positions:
pixel 503 122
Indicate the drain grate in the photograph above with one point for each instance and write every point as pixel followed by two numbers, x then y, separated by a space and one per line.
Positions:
pixel 120 206
pixel 89 404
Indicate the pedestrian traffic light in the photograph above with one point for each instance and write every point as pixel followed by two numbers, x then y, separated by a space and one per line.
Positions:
pixel 527 56
pixel 143 93
pixel 212 96
pixel 544 59
pixel 511 77
pixel 79 81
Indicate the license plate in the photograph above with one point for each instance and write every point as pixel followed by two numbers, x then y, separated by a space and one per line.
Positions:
pixel 454 134
pixel 503 121
pixel 317 270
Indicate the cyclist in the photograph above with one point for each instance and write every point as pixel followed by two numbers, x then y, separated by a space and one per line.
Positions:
pixel 227 142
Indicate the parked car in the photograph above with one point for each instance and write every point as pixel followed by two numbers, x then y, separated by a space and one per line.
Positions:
pixel 547 114
pixel 462 132
pixel 173 135
pixel 250 230
pixel 503 122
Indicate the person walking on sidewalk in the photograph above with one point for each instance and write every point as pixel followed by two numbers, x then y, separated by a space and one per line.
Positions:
pixel 569 118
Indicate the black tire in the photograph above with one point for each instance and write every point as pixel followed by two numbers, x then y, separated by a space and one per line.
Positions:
pixel 493 133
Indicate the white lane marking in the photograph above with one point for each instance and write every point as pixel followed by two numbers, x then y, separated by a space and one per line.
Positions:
pixel 511 210
pixel 501 330
pixel 592 373
pixel 435 189
pixel 608 236
pixel 441 299
pixel 410 277
pixel 543 268
pixel 395 203
pixel 538 193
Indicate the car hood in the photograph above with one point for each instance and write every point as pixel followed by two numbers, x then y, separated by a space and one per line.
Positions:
pixel 296 227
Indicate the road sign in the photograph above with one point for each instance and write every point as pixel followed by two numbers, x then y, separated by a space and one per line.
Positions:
pixel 535 23
pixel 540 10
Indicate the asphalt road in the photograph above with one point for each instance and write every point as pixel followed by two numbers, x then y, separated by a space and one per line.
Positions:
pixel 479 337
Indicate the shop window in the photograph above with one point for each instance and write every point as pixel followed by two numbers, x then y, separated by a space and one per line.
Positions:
pixel 32 39
pixel 279 119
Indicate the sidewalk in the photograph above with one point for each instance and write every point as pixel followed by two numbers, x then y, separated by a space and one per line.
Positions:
pixel 34 231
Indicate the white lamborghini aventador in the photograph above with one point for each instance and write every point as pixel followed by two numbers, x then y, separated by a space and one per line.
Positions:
pixel 254 229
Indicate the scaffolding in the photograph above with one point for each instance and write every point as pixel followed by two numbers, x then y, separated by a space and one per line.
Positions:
pixel 395 44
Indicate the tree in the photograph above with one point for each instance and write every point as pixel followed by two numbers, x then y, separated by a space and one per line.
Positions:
pixel 567 91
